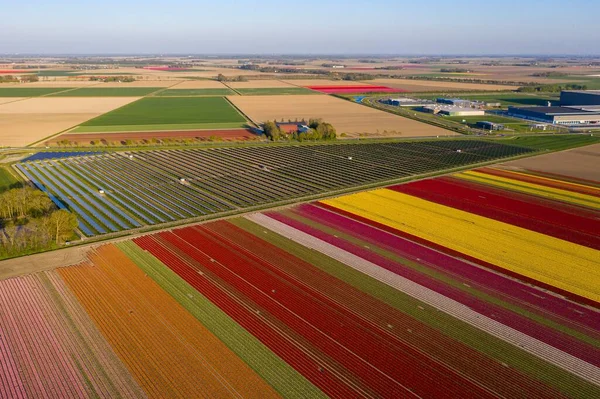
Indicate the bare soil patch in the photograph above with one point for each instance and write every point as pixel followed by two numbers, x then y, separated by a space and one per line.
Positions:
pixel 66 105
pixel 28 121
pixel 4 100
pixel 350 118
pixel 44 261
pixel 581 163
pixel 108 137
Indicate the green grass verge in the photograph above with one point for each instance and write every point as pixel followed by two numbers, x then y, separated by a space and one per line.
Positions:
pixel 195 92
pixel 173 110
pixel 7 180
pixel 29 91
pixel 157 127
pixel 505 99
pixel 287 381
pixel 551 142
pixel 491 346
pixel 51 73
pixel 108 92
pixel 275 91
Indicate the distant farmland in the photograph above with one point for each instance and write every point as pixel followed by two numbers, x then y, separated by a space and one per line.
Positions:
pixel 145 188
pixel 192 111
pixel 108 92
pixel 195 92
pixel 349 118
pixel 29 91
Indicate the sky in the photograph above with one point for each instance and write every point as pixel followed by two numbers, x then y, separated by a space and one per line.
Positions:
pixel 300 27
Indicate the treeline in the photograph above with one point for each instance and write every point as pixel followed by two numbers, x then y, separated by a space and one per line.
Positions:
pixel 14 79
pixel 555 88
pixel 30 222
pixel 317 131
pixel 454 70
pixel 223 78
pixel 119 78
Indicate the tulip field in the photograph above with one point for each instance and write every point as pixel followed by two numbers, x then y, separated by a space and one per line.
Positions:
pixel 484 283
pixel 112 192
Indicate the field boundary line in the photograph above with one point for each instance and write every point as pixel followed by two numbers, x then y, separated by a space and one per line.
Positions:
pixel 232 89
pixel 241 112
pixel 153 94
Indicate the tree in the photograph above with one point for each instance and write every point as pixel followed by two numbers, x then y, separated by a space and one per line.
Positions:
pixel 326 131
pixel 61 225
pixel 272 131
pixel 221 78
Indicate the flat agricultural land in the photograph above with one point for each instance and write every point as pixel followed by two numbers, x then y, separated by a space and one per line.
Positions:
pixel 259 84
pixel 137 83
pixel 581 163
pixel 505 99
pixel 108 92
pixel 60 83
pixel 195 92
pixel 120 137
pixel 4 100
pixel 322 82
pixel 346 117
pixel 21 91
pixel 174 112
pixel 430 85
pixel 199 84
pixel 275 91
pixel 27 121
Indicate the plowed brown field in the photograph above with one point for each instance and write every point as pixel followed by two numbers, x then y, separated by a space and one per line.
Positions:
pixel 350 118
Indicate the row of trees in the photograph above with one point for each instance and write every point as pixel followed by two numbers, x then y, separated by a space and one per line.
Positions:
pixel 30 222
pixel 116 78
pixel 23 78
pixel 555 88
pixel 223 78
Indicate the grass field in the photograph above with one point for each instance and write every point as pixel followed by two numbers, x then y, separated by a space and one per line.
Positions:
pixel 108 92
pixel 51 73
pixel 509 123
pixel 195 92
pixel 166 111
pixel 7 180
pixel 552 142
pixel 506 99
pixel 274 91
pixel 28 91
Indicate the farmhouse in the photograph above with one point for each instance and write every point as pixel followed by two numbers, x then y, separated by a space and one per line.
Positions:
pixel 567 116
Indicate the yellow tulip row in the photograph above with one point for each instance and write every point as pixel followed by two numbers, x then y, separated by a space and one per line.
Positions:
pixel 531 188
pixel 562 264
pixel 547 179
